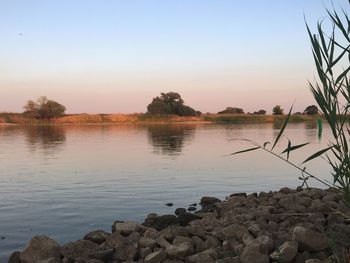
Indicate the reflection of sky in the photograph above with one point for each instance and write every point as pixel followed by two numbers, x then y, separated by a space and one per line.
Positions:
pixel 120 54
pixel 102 173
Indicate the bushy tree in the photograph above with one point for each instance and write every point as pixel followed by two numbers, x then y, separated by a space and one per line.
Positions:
pixel 260 112
pixel 170 103
pixel 233 110
pixel 311 110
pixel 44 108
pixel 277 110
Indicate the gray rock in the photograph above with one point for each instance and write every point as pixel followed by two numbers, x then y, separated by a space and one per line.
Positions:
pixel 309 239
pixel 84 250
pixel 205 256
pixel 50 260
pixel 144 252
pixel 250 254
pixel 126 247
pixel 179 211
pixel 15 257
pixel 161 222
pixel 155 257
pixel 179 251
pixel 40 248
pixel 147 242
pixel 285 253
pixel 208 200
pixel 97 236
pixel 186 218
pixel 126 228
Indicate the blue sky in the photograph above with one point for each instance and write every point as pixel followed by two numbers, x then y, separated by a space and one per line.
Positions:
pixel 114 56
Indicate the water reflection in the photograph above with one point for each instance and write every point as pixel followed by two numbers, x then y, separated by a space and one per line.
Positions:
pixel 45 137
pixel 170 139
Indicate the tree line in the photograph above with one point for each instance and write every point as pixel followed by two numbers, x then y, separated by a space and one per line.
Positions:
pixel 169 103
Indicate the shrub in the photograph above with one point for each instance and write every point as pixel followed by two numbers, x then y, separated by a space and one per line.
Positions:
pixel 44 108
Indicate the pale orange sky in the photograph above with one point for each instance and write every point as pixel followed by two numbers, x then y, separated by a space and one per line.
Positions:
pixel 115 56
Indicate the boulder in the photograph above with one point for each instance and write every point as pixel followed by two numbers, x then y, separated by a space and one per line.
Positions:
pixel 250 254
pixel 97 236
pixel 83 250
pixel 185 218
pixel 285 253
pixel 179 251
pixel 208 200
pixel 15 257
pixel 179 211
pixel 126 228
pixel 309 239
pixel 155 257
pixel 207 256
pixel 161 222
pixel 147 242
pixel 126 247
pixel 40 248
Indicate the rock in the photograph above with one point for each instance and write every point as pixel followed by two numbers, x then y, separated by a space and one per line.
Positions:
pixel 198 244
pixel 155 257
pixel 97 236
pixel 309 239
pixel 126 228
pixel 94 261
pixel 83 250
pixel 15 257
pixel 179 251
pixel 285 253
pixel 234 231
pixel 313 261
pixel 180 239
pixel 147 242
pixel 207 201
pixel 265 241
pixel 192 209
pixel 254 230
pixel 207 256
pixel 250 254
pixel 161 222
pixel 239 194
pixel 51 260
pixel 180 211
pixel 228 260
pixel 185 218
pixel 126 247
pixel 144 252
pixel 169 204
pixel 40 248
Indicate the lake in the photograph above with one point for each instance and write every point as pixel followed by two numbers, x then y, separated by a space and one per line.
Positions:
pixel 66 180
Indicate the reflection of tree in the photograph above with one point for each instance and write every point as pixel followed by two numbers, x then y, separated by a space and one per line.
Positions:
pixel 170 139
pixel 45 136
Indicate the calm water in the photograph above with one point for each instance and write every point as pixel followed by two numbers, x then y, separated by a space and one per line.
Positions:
pixel 64 181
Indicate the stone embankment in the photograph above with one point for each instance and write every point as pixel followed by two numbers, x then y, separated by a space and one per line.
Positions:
pixel 302 225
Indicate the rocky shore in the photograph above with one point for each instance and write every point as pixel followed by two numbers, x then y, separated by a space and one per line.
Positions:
pixel 301 225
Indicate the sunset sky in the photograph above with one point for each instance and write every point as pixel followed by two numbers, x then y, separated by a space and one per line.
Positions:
pixel 115 56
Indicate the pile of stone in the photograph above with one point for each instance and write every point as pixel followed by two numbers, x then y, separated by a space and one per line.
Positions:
pixel 302 225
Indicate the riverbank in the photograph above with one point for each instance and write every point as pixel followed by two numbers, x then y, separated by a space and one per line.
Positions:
pixel 17 118
pixel 302 225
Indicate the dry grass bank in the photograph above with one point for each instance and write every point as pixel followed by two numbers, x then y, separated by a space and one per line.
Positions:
pixel 17 118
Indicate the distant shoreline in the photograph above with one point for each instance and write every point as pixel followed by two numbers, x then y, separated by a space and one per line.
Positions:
pixel 140 118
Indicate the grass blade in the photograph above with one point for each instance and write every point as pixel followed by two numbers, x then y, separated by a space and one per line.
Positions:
pixel 319 153
pixel 282 129
pixel 246 150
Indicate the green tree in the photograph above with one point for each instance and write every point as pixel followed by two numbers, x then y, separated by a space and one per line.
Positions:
pixel 170 103
pixel 31 109
pixel 44 108
pixel 233 110
pixel 311 110
pixel 277 110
